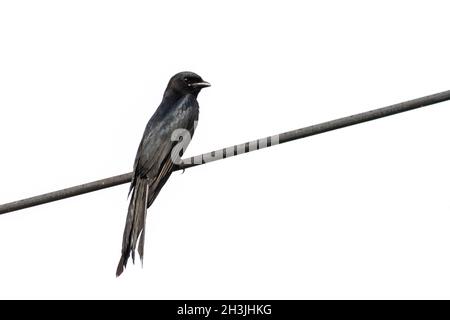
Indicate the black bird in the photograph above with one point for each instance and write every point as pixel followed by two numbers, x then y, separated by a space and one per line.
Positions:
pixel 154 162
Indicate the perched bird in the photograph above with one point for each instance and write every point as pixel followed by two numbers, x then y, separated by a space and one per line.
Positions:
pixel 154 161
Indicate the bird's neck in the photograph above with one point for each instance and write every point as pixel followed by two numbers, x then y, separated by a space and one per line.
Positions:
pixel 174 95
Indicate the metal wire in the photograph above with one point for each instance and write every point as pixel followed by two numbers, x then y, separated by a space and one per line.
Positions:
pixel 234 150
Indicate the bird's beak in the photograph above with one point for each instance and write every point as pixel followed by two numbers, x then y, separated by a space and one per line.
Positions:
pixel 202 84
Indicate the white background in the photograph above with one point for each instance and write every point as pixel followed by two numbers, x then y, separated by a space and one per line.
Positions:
pixel 362 212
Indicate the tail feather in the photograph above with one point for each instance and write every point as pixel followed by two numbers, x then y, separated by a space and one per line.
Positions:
pixel 142 237
pixel 135 225
pixel 144 192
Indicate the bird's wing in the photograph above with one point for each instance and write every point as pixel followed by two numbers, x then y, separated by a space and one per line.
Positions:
pixel 156 144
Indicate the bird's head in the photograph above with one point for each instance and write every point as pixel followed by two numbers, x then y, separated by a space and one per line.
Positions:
pixel 186 83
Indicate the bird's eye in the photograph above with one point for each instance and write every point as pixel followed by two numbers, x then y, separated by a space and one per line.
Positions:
pixel 186 80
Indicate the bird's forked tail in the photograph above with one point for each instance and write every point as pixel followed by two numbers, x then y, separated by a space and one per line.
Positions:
pixel 135 225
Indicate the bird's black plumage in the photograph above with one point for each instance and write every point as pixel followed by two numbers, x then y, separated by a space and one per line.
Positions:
pixel 154 161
